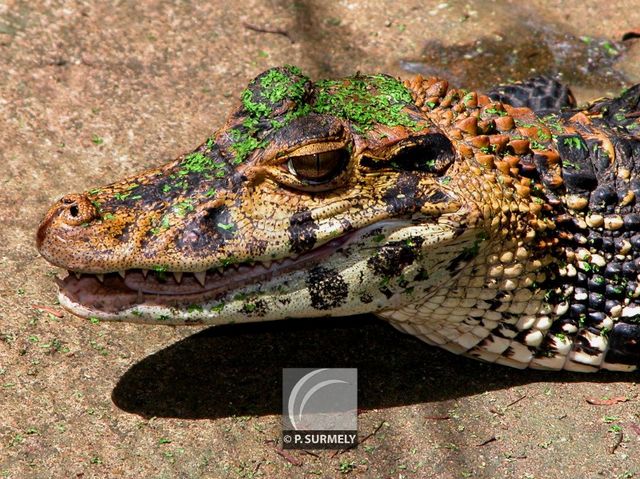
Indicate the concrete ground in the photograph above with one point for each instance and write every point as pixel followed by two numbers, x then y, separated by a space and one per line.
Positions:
pixel 91 91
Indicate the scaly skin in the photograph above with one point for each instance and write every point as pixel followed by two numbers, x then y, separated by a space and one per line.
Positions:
pixel 474 225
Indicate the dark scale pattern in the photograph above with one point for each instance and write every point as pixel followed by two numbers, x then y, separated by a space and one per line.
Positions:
pixel 577 170
pixel 394 256
pixel 603 199
pixel 302 232
pixel 256 309
pixel 401 198
pixel 327 288
pixel 541 94
pixel 210 231
pixel 602 243
pixel 619 112
pixel 366 298
pixel 624 345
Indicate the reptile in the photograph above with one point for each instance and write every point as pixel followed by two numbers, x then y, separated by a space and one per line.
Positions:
pixel 486 228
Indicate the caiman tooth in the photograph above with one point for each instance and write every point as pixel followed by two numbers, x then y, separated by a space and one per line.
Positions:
pixel 221 270
pixel 201 277
pixel 145 272
pixel 77 275
pixel 267 264
pixel 122 274
pixel 100 277
pixel 177 275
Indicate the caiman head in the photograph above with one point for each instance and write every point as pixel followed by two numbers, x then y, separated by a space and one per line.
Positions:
pixel 329 198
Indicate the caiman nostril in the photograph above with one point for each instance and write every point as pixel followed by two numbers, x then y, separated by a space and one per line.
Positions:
pixel 76 209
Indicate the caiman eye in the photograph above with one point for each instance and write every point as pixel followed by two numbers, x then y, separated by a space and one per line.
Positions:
pixel 318 168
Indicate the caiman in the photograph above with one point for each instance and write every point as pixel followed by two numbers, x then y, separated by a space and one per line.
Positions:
pixel 483 227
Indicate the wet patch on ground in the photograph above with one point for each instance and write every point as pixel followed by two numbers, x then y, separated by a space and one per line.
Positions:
pixel 522 49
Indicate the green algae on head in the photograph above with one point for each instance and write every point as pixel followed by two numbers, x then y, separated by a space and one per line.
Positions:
pixel 198 163
pixel 278 86
pixel 365 101
pixel 265 98
pixel 280 95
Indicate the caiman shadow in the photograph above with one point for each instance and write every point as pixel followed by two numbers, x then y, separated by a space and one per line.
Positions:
pixel 236 370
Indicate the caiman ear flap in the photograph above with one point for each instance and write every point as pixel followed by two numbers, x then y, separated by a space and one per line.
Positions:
pixel 427 91
pixel 431 153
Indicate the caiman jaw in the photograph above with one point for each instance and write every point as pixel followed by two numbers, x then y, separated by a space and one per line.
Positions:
pixel 115 292
pixel 331 279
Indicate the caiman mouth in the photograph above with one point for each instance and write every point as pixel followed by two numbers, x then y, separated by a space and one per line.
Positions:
pixel 118 291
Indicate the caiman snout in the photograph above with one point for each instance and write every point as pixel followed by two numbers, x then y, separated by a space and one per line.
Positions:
pixel 71 210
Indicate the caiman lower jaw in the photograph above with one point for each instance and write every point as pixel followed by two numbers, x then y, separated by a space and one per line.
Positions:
pixel 87 294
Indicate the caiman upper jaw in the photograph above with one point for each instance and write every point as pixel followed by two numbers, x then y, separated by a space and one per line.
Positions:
pixel 173 217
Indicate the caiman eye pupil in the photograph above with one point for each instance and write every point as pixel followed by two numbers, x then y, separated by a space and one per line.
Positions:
pixel 318 167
